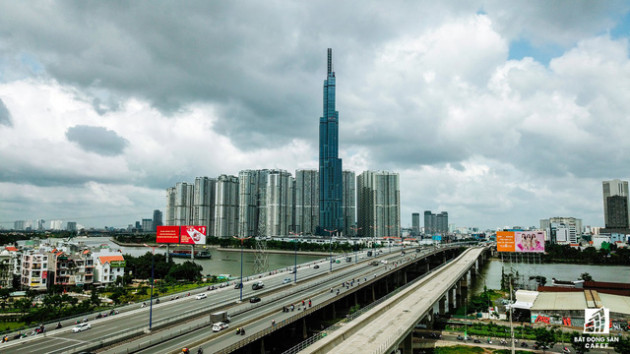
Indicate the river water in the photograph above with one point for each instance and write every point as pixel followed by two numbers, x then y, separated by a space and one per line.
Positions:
pixel 491 273
pixel 225 262
pixel 222 262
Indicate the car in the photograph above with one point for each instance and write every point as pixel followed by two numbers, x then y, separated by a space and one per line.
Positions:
pixel 219 326
pixel 81 327
pixel 201 296
pixel 524 345
pixel 460 338
pixel 286 280
pixel 476 341
pixel 258 285
pixel 316 266
pixel 238 285
pixel 254 299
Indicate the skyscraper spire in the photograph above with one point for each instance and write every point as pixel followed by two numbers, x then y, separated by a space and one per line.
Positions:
pixel 330 175
pixel 330 62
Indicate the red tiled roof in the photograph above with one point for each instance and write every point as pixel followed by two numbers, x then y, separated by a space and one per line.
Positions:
pixel 107 259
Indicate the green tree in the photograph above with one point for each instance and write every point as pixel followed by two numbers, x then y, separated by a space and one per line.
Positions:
pixel 5 294
pixel 623 346
pixel 94 300
pixel 579 346
pixel 545 337
pixel 586 277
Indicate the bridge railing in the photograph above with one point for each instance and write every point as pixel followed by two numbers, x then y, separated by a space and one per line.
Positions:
pixel 309 341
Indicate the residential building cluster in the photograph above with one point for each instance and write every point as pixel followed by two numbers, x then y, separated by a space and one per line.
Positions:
pixel 39 265
pixel 435 224
pixel 272 202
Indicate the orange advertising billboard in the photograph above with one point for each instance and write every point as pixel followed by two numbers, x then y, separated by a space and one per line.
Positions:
pixel 505 241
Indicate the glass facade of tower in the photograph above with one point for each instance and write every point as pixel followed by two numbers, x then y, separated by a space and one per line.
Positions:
pixel 330 175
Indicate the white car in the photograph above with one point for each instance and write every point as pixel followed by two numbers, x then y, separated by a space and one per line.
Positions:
pixel 201 296
pixel 286 280
pixel 81 327
pixel 219 326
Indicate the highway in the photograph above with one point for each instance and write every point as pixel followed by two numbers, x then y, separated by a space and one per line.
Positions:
pixel 385 325
pixel 259 322
pixel 189 313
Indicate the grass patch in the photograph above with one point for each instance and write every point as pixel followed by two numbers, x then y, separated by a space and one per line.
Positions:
pixel 457 349
pixel 12 326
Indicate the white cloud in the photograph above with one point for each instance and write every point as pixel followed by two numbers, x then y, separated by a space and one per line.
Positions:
pixel 424 89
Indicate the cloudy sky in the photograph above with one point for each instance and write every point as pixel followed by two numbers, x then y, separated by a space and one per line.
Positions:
pixel 499 113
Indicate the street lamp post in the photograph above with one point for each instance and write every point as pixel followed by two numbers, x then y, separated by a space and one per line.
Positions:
pixel 241 285
pixel 295 258
pixel 374 227
pixel 330 248
pixel 356 230
pixel 389 227
pixel 152 282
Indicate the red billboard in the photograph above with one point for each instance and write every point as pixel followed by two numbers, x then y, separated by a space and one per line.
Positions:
pixel 167 234
pixel 193 235
pixel 529 241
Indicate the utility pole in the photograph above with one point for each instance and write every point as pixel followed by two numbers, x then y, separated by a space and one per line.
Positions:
pixel 511 313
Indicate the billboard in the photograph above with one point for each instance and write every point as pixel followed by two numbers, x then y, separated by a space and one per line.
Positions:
pixel 529 241
pixel 118 264
pixel 167 234
pixel 505 241
pixel 193 235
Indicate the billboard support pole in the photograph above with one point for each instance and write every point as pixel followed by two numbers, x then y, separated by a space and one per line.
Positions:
pixel 192 253
pixel 167 252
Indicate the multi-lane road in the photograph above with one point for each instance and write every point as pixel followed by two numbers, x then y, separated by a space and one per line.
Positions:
pixel 189 320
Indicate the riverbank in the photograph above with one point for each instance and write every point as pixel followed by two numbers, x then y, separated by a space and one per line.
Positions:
pixel 216 247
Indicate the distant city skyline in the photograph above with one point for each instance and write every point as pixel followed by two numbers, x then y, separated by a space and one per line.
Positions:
pixel 499 113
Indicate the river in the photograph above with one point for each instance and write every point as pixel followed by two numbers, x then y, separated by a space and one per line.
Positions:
pixel 226 262
pixel 491 273
pixel 222 262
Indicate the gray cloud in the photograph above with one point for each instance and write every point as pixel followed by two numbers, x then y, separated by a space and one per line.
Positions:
pixel 97 139
pixel 5 116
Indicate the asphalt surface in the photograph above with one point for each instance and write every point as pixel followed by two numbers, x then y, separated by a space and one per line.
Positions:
pixel 185 313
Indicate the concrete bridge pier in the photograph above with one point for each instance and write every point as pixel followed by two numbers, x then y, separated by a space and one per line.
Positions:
pixel 458 293
pixel 451 300
pixel 473 273
pixel 442 306
pixel 304 331
pixel 373 293
pixel 407 344
pixel 464 287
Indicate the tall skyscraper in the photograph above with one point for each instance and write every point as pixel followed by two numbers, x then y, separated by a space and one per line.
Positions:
pixel 226 206
pixel 183 203
pixel 429 225
pixel 415 224
pixel 615 195
pixel 203 202
pixel 442 223
pixel 378 200
pixel 280 197
pixel 330 177
pixel 348 206
pixel 306 201
pixel 157 220
pixel 169 212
